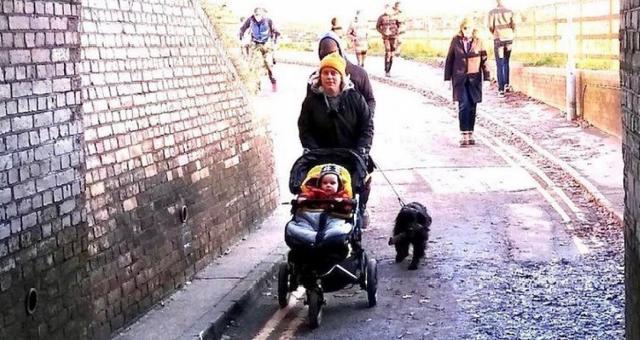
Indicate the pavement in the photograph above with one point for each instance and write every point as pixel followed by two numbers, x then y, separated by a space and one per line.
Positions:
pixel 204 306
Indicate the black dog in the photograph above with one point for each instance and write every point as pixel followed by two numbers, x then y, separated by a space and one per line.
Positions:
pixel 412 228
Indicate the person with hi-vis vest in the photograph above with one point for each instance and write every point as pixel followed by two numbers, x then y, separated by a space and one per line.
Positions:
pixel 502 25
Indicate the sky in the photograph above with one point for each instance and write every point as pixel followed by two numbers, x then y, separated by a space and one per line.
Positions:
pixel 323 10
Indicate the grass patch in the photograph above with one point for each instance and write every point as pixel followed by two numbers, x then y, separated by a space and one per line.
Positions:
pixel 422 50
pixel 304 46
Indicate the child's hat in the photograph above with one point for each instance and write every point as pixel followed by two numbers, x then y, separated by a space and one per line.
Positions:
pixel 329 169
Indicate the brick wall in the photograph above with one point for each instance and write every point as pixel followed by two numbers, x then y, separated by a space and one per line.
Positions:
pixel 43 232
pixel 597 92
pixel 166 126
pixel 109 126
pixel 630 76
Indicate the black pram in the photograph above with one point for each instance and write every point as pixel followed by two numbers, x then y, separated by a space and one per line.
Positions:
pixel 325 235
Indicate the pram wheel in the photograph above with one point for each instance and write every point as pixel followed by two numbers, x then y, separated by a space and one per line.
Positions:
pixel 372 282
pixel 283 284
pixel 315 302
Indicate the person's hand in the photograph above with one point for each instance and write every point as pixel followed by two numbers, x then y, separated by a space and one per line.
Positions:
pixel 362 152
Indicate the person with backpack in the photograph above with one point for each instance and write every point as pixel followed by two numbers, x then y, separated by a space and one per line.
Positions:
pixel 263 38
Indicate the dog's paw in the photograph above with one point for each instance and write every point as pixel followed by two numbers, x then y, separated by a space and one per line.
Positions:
pixel 413 266
pixel 390 241
pixel 400 258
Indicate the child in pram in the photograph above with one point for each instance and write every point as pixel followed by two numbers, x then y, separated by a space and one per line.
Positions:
pixel 325 233
pixel 323 208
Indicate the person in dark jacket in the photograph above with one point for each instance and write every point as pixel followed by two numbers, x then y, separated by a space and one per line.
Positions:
pixel 330 43
pixel 335 115
pixel 466 67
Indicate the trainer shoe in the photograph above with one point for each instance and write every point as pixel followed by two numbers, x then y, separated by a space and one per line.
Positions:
pixel 365 219
pixel 274 87
pixel 501 94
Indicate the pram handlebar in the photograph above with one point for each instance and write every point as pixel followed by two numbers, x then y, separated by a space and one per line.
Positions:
pixel 323 201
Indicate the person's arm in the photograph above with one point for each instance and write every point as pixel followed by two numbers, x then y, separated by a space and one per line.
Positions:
pixel 244 27
pixel 275 34
pixel 351 32
pixel 367 92
pixel 304 126
pixel 365 133
pixel 379 25
pixel 483 63
pixel 491 20
pixel 448 64
pixel 513 22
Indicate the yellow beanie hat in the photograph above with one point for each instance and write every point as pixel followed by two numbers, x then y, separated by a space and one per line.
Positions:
pixel 335 61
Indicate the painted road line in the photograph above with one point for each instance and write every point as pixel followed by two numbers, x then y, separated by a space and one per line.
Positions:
pixel 278 316
pixel 582 248
pixel 552 201
pixel 290 332
pixel 535 169
pixel 582 180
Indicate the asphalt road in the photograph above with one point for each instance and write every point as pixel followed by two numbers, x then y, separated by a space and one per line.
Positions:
pixel 502 261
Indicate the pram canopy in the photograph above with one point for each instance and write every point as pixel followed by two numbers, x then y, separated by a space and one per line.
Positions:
pixel 347 158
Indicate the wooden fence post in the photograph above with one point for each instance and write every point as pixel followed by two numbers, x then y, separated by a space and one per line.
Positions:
pixel 580 33
pixel 612 49
pixel 535 31
pixel 555 28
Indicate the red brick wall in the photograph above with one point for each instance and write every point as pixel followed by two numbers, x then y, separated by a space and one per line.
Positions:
pixel 597 92
pixel 43 232
pixel 109 125
pixel 166 125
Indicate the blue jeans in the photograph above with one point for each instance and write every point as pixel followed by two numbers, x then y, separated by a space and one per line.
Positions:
pixel 466 110
pixel 502 51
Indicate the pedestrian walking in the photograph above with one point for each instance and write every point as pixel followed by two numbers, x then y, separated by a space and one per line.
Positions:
pixel 401 21
pixel 264 38
pixel 501 24
pixel 335 115
pixel 336 27
pixel 466 68
pixel 358 33
pixel 387 25
pixel 245 41
pixel 331 43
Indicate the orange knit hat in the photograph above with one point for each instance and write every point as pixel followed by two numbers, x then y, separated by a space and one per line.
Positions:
pixel 335 61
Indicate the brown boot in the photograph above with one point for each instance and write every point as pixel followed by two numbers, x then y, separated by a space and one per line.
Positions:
pixel 464 139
